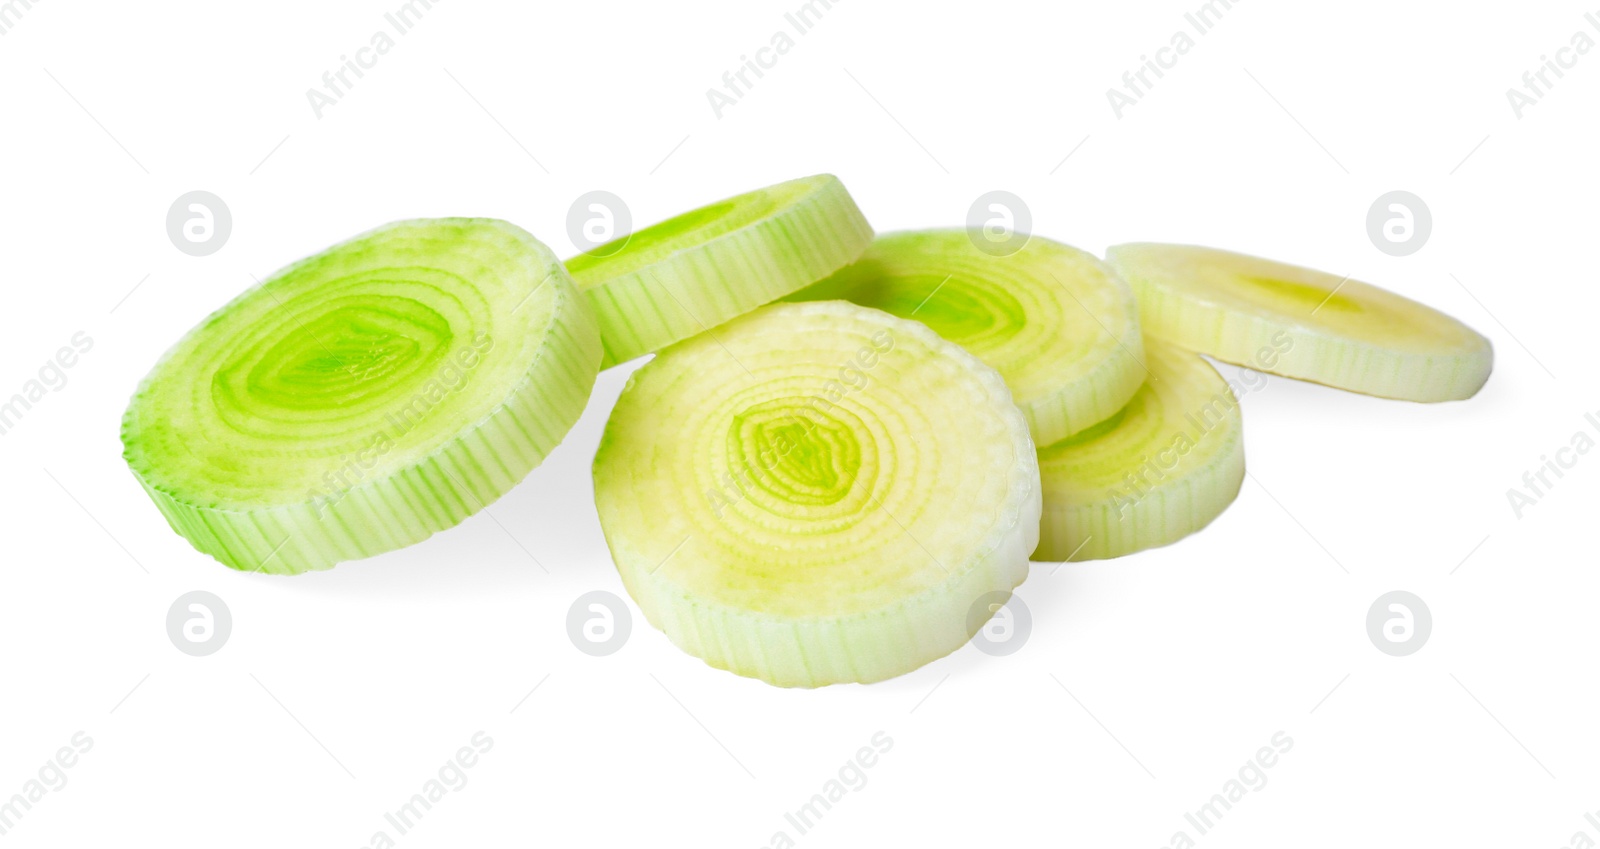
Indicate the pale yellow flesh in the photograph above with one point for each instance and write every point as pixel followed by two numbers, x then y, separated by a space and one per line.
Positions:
pixel 1342 333
pixel 817 493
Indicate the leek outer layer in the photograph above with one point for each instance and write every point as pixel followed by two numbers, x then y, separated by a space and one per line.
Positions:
pixel 364 398
pixel 819 494
pixel 690 273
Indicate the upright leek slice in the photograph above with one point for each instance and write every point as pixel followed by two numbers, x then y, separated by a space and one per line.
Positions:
pixel 819 493
pixel 691 273
pixel 366 397
pixel 1059 326
pixel 1343 333
pixel 1160 469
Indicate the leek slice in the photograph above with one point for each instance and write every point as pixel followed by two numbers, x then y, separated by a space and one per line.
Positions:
pixel 364 398
pixel 1342 333
pixel 1160 469
pixel 818 493
pixel 693 272
pixel 1059 326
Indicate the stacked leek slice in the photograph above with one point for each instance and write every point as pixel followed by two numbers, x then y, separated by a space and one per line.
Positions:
pixel 834 487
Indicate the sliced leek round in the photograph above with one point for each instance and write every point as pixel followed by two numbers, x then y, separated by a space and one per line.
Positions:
pixel 693 272
pixel 1059 326
pixel 1342 333
pixel 1160 469
pixel 818 494
pixel 364 398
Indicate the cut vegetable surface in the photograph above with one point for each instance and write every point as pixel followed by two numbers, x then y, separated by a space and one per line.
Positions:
pixel 819 494
pixel 1344 333
pixel 366 397
pixel 1059 326
pixel 1160 469
pixel 691 273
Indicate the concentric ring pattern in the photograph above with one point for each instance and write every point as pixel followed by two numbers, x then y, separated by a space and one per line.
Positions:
pixel 1341 332
pixel 817 493
pixel 366 397
pixel 1059 325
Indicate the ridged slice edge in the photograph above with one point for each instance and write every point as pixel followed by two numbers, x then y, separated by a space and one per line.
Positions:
pixel 858 649
pixel 700 287
pixel 437 493
pixel 1171 510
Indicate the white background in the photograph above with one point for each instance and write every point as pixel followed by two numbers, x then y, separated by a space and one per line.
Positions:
pixel 1148 681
